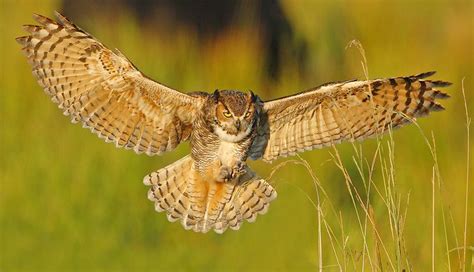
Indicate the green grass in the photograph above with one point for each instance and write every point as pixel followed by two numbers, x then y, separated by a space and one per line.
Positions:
pixel 68 201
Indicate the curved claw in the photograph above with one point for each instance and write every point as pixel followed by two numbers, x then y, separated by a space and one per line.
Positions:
pixel 227 173
pixel 239 169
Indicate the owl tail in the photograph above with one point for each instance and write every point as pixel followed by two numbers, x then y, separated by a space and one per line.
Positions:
pixel 202 203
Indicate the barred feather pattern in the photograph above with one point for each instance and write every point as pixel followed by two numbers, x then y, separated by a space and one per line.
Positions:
pixel 353 110
pixel 104 91
pixel 201 204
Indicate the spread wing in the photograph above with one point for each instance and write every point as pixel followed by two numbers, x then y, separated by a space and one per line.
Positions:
pixel 342 111
pixel 104 90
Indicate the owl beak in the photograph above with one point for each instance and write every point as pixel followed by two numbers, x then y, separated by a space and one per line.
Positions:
pixel 237 125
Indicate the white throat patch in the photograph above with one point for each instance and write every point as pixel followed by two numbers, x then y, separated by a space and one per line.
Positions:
pixel 229 137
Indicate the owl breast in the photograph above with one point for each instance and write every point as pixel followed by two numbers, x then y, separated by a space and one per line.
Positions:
pixel 228 153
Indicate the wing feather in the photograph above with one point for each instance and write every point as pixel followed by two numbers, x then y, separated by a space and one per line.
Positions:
pixel 352 110
pixel 104 91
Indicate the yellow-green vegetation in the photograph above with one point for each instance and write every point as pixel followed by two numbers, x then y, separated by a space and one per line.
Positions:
pixel 68 201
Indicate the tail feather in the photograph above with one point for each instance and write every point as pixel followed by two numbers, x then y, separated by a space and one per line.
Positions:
pixel 202 205
pixel 168 188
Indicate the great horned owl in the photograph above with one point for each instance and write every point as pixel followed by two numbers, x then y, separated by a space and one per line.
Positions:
pixel 212 188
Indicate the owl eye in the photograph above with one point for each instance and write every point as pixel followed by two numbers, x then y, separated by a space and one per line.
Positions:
pixel 247 115
pixel 227 114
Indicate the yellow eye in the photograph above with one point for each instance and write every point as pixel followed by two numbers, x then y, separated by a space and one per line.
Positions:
pixel 227 114
pixel 248 114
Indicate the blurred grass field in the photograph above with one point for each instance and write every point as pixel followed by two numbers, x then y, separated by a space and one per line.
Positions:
pixel 68 201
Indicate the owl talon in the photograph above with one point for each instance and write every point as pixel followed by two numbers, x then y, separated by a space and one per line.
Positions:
pixel 225 174
pixel 239 169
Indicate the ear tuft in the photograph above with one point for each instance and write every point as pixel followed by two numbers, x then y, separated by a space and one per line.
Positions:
pixel 215 95
pixel 253 97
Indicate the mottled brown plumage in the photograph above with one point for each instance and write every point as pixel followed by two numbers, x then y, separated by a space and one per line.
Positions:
pixel 212 188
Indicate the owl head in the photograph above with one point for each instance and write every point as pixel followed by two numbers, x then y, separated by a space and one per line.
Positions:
pixel 235 114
